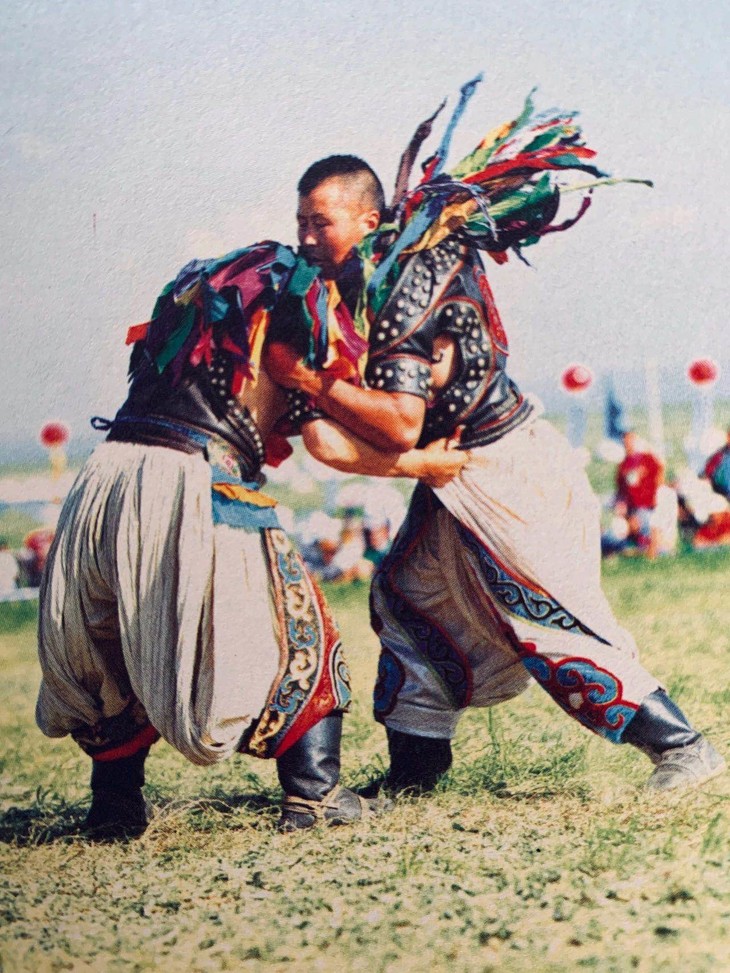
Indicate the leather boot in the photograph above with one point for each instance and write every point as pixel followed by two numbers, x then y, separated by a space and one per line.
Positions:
pixel 118 808
pixel 309 773
pixel 416 763
pixel 681 755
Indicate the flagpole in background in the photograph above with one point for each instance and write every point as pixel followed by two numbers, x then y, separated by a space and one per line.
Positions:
pixel 702 373
pixel 615 423
pixel 654 407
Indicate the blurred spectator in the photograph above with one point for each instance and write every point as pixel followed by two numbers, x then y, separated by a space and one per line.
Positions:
pixel 717 469
pixel 383 514
pixel 715 531
pixel 333 550
pixel 660 534
pixel 664 522
pixel 377 541
pixel 638 477
pixel 615 537
pixel 350 558
pixel 9 570
pixel 704 514
pixel 34 554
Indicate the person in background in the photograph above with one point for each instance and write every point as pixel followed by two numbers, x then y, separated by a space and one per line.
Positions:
pixel 9 569
pixel 638 477
pixel 350 559
pixel 34 554
pixel 717 469
pixel 384 512
pixel 664 522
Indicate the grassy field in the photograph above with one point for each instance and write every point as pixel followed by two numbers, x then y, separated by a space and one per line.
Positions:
pixel 539 852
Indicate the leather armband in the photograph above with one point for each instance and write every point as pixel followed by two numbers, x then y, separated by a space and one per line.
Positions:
pixel 400 374
pixel 302 409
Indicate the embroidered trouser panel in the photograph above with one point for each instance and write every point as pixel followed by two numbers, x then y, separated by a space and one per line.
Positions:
pixel 155 618
pixel 495 581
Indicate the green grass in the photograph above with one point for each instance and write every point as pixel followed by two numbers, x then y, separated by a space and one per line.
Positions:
pixel 539 852
pixel 14 525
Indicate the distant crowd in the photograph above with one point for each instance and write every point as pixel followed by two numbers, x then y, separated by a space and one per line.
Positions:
pixel 649 514
pixel 349 547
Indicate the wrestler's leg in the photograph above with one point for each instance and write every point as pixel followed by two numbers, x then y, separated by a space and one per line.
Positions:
pixel 86 689
pixel 682 756
pixel 118 807
pixel 534 542
pixel 441 648
pixel 417 763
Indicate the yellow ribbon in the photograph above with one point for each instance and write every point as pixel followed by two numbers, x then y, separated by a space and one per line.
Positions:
pixel 234 491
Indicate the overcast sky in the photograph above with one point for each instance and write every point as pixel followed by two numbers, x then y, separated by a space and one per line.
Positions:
pixel 137 135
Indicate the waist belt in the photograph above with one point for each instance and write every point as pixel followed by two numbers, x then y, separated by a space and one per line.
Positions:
pixel 170 433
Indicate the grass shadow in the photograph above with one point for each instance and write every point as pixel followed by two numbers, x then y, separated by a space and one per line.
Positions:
pixel 40 824
pixel 210 813
pixel 46 823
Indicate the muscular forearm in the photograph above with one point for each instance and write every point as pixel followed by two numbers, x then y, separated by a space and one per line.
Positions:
pixel 390 421
pixel 340 449
pixel 348 453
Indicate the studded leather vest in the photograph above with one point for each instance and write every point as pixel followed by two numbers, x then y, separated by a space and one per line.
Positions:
pixel 445 291
pixel 187 414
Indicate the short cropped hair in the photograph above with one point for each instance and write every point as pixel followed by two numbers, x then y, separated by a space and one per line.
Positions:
pixel 350 168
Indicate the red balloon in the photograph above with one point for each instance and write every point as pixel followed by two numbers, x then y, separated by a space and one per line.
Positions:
pixel 576 378
pixel 54 434
pixel 702 371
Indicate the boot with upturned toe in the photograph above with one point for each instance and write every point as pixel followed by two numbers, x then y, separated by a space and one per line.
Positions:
pixel 686 767
pixel 309 773
pixel 341 806
pixel 682 757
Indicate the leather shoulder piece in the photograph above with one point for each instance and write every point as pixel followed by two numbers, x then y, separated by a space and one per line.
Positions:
pixel 401 340
pixel 423 281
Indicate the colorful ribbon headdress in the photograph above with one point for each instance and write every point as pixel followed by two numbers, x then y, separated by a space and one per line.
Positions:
pixel 504 195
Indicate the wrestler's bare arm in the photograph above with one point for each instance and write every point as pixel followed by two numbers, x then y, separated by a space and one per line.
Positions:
pixel 389 420
pixel 342 449
pixel 330 443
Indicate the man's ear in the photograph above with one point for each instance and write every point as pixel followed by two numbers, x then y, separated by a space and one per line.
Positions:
pixel 371 220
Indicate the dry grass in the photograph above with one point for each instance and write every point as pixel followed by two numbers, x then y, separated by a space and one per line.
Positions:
pixel 539 852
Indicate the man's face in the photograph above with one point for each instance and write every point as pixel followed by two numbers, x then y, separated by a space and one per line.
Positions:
pixel 331 221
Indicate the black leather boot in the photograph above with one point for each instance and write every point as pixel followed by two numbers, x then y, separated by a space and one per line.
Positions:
pixel 682 756
pixel 118 808
pixel 416 763
pixel 659 725
pixel 309 772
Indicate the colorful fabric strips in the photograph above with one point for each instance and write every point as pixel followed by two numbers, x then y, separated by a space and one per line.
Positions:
pixel 227 303
pixel 502 196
